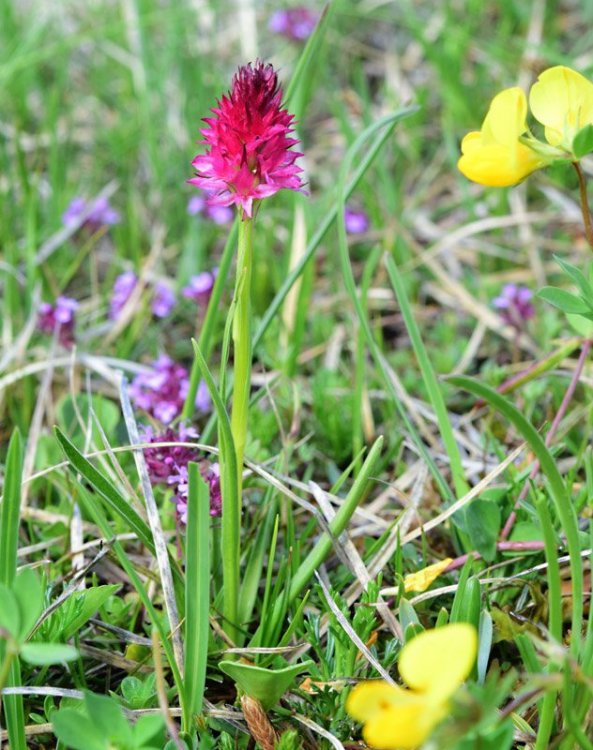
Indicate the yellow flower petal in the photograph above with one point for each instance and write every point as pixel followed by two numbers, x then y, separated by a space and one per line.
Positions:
pixel 368 699
pixel 494 156
pixel 438 661
pixel 506 118
pixel 421 579
pixel 562 100
pixel 496 165
pixel 405 727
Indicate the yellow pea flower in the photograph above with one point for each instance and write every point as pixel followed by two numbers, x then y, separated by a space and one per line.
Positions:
pixel 562 100
pixel 495 155
pixel 434 664
pixel 421 579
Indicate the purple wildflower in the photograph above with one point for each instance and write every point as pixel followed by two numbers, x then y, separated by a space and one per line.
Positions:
pixel 163 461
pixel 168 465
pixel 356 220
pixel 514 304
pixel 123 287
pixel 293 23
pixel 102 214
pixel 163 300
pixel 197 204
pixel 161 392
pixel 59 316
pixel 200 287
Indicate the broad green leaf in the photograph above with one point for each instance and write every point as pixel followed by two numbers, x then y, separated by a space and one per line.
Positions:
pixel 581 325
pixel 482 519
pixel 28 590
pixel 10 617
pixel 107 716
pixel 147 728
pixel 77 731
pixel 563 300
pixel 41 654
pixel 578 277
pixel 267 685
pixel 197 594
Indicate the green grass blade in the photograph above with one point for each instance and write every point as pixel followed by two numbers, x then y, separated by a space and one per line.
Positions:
pixel 9 537
pixel 10 509
pixel 386 124
pixel 430 380
pixel 113 499
pixel 98 517
pixel 197 595
pixel 560 495
pixel 231 503
pixel 322 548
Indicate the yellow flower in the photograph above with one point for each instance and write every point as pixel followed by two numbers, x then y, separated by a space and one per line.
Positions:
pixel 495 156
pixel 562 100
pixel 421 579
pixel 434 664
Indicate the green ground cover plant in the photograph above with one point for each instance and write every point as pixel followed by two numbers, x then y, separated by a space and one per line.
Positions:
pixel 295 400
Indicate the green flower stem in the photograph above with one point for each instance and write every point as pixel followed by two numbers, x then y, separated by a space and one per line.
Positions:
pixel 242 346
pixel 584 203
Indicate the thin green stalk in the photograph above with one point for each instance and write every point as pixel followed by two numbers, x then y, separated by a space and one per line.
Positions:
pixel 242 346
pixel 553 570
pixel 359 365
pixel 584 203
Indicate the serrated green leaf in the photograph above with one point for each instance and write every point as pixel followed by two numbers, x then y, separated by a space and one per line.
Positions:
pixel 582 143
pixel 90 601
pixel 565 301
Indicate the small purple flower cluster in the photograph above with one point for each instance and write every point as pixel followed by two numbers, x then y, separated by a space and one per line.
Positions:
pixel 162 302
pixel 514 305
pixel 355 220
pixel 59 316
pixel 101 214
pixel 161 391
pixel 200 287
pixel 295 23
pixel 218 214
pixel 168 464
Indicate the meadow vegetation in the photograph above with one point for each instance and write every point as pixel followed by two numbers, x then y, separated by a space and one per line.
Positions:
pixel 302 459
